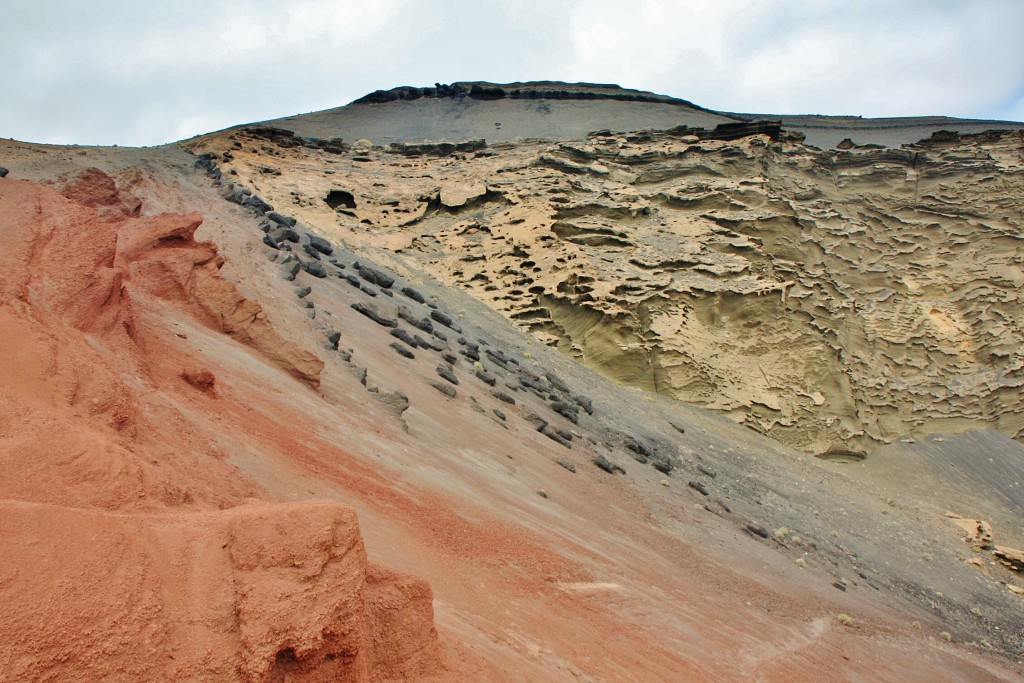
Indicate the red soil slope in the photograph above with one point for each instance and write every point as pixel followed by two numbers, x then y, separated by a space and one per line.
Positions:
pixel 118 562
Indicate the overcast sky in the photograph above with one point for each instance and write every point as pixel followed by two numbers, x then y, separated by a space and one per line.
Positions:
pixel 138 72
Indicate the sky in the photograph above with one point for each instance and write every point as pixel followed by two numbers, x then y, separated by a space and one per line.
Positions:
pixel 149 72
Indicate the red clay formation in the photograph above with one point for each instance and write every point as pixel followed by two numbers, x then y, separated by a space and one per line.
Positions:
pixel 129 554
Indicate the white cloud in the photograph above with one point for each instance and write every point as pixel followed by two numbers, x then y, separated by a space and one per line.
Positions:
pixel 142 73
pixel 828 56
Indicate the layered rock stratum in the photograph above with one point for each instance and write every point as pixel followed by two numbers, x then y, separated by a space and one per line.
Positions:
pixel 316 399
pixel 835 299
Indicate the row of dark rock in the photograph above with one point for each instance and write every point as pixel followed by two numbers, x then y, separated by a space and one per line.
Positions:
pixel 548 386
pixel 236 194
pixel 281 231
pixel 733 130
pixel 287 138
pixel 488 91
pixel 304 251
pixel 436 149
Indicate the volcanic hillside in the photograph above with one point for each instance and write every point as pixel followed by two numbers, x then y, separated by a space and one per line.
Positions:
pixel 245 369
pixel 834 299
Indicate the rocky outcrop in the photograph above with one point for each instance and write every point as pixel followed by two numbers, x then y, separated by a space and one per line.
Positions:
pixel 979 532
pixel 96 262
pixel 831 299
pixel 1010 557
pixel 281 137
pixel 541 90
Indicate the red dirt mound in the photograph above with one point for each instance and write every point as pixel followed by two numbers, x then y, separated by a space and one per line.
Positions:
pixel 95 189
pixel 257 592
pixel 130 550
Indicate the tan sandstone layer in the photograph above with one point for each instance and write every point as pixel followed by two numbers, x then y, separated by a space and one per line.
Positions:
pixel 834 300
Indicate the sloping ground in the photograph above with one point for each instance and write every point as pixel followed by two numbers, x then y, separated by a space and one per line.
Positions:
pixel 118 564
pixel 832 131
pixel 833 300
pixel 499 113
pixel 257 592
pixel 979 472
pixel 143 415
pixel 513 112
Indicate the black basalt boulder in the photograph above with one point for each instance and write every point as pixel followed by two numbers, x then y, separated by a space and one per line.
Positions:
pixel 371 312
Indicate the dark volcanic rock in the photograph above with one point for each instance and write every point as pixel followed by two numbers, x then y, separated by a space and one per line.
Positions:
pixel 256 204
pixel 503 397
pixel 402 349
pixel 537 421
pixel 446 389
pixel 279 136
pixel 371 312
pixel 742 129
pixel 556 382
pixel 698 487
pixel 486 92
pixel 283 234
pixel 403 335
pixel 556 436
pixel 755 530
pixel 662 464
pixel 375 276
pixel 290 269
pixel 445 320
pixel 637 446
pixel 607 465
pixel 447 374
pixel 436 149
pixel 314 268
pixel 420 323
pixel 567 465
pixel 569 411
pixel 585 403
pixel 320 244
pixel 413 294
pixel 286 221
pixel 427 344
pixel 498 357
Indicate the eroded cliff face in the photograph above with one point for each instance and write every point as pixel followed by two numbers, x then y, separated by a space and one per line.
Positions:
pixel 834 300
pixel 135 549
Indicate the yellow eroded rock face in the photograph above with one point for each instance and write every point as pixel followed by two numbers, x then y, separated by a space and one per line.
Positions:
pixel 834 300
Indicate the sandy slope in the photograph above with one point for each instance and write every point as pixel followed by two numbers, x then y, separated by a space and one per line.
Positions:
pixel 179 455
pixel 836 301
pixel 571 110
